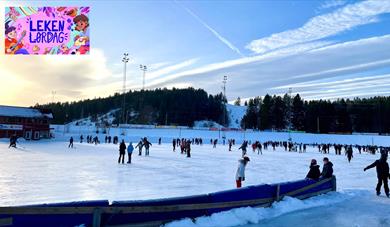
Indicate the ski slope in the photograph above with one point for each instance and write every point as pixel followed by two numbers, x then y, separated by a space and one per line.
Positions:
pixel 48 171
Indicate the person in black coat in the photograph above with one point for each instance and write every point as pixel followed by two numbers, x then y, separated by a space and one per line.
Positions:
pixel 122 152
pixel 327 169
pixel 382 171
pixel 314 172
pixel 349 153
pixel 70 142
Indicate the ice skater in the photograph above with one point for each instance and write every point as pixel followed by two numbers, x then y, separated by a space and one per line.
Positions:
pixel 122 151
pixel 70 142
pixel 349 153
pixel 174 145
pixel 130 150
pixel 188 149
pixel 240 174
pixel 382 172
pixel 12 141
pixel 243 148
pixel 147 145
pixel 139 145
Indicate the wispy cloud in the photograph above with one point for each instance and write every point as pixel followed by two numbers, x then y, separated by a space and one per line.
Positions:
pixel 170 69
pixel 324 26
pixel 212 30
pixel 332 4
pixel 297 49
pixel 309 68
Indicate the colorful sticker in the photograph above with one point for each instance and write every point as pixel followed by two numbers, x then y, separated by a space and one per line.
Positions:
pixel 47 30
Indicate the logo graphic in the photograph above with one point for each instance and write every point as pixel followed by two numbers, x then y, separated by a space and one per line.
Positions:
pixel 47 30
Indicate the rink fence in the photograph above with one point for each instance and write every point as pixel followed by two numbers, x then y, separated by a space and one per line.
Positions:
pixel 159 211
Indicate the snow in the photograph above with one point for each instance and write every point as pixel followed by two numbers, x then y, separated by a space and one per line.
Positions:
pixel 106 118
pixel 349 208
pixel 236 113
pixel 207 124
pixel 16 111
pixel 47 171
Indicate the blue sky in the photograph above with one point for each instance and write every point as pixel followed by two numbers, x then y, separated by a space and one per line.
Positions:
pixel 321 49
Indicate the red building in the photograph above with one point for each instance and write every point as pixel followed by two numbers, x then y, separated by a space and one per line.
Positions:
pixel 29 123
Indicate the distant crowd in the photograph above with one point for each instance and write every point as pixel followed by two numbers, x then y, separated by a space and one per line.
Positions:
pixel 314 172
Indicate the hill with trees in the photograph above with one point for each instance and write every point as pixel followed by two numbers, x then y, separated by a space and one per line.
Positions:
pixel 159 106
pixel 318 116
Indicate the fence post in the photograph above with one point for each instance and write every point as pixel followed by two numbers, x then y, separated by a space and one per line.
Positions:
pixel 334 185
pixel 96 217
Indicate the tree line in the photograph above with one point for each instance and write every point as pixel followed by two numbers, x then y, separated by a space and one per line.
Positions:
pixel 369 115
pixel 159 106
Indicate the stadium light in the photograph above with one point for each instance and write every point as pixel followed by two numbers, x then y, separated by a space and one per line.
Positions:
pixel 144 69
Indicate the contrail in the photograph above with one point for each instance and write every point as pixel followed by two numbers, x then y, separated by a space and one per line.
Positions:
pixel 216 34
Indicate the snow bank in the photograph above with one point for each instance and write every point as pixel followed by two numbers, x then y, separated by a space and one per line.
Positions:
pixel 248 215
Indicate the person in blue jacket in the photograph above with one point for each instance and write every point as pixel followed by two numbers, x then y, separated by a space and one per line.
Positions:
pixel 130 150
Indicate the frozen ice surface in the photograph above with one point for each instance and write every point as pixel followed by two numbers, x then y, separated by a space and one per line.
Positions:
pixel 48 171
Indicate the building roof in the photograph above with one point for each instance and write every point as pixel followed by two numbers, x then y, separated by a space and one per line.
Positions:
pixel 16 111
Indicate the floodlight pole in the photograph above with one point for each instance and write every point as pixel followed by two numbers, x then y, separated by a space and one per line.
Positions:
pixel 144 69
pixel 289 113
pixel 125 60
pixel 224 81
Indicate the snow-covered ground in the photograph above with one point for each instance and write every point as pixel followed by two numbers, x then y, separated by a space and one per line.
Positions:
pixel 47 171
pixel 235 113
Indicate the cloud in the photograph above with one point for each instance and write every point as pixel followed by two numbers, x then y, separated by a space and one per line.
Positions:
pixel 323 26
pixel 332 4
pixel 213 31
pixel 238 62
pixel 171 68
pixel 38 76
pixel 315 70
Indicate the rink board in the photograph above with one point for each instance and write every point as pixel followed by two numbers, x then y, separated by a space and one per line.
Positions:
pixel 158 211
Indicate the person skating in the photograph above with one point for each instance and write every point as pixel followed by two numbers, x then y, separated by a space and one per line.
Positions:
pixel 382 172
pixel 243 148
pixel 130 150
pixel 70 142
pixel 139 145
pixel 81 138
pixel 327 169
pixel 122 151
pixel 159 141
pixel 188 148
pixel 314 172
pixel 215 143
pixel 147 145
pixel 174 144
pixel 12 141
pixel 349 153
pixel 240 174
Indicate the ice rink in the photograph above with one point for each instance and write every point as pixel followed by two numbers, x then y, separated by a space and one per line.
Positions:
pixel 48 171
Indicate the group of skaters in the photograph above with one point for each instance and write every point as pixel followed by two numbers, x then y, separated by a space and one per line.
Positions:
pixel 371 149
pixel 314 173
pixel 143 143
pixel 185 145
pixel 94 140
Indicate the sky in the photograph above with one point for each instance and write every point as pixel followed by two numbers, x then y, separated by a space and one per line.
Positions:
pixel 320 49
